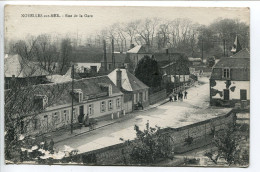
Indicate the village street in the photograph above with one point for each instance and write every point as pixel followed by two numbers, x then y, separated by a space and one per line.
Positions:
pixel 171 114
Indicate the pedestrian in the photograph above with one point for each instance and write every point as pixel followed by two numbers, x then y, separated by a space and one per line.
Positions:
pixel 170 99
pixel 185 94
pixel 51 146
pixel 86 121
pixel 179 95
pixel 175 97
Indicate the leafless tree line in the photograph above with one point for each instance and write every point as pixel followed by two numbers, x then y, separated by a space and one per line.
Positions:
pixel 180 34
pixel 52 54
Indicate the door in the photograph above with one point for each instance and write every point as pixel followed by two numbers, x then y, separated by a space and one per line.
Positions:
pixel 81 114
pixel 243 94
pixel 140 97
pixel 226 94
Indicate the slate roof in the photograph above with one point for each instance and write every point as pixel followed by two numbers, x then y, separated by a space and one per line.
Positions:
pixel 129 81
pixel 21 68
pixel 139 49
pixel 59 94
pixel 239 60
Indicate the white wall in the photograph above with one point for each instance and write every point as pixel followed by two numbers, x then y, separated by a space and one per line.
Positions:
pixel 80 66
pixel 220 85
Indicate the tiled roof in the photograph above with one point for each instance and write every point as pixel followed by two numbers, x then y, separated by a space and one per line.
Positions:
pixel 239 60
pixel 21 68
pixel 59 94
pixel 129 81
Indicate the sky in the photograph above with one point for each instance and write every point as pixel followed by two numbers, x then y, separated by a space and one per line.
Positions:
pixel 18 25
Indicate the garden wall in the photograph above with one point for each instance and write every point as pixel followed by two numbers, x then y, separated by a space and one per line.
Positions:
pixel 201 133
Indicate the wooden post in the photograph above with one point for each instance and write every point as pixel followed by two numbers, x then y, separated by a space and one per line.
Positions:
pixel 72 97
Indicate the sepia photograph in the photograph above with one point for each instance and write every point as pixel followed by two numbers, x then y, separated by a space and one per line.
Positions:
pixel 127 86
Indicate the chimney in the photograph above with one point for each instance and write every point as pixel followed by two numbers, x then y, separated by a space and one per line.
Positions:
pixel 167 51
pixel 119 79
pixel 105 55
pixel 113 55
pixel 132 46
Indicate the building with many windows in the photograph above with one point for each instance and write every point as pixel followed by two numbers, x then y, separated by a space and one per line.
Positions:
pixel 50 105
pixel 230 79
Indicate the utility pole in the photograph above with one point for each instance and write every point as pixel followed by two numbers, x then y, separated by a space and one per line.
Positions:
pixel 105 55
pixel 202 49
pixel 72 97
pixel 224 47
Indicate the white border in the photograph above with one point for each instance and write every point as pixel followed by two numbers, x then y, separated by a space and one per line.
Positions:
pixel 255 84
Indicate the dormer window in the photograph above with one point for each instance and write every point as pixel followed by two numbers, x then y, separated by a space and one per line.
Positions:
pixel 226 73
pixel 78 95
pixel 41 101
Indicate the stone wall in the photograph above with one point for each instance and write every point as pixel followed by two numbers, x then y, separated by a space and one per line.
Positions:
pixel 156 97
pixel 201 133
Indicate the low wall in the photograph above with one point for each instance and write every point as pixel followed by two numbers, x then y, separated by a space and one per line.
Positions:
pixel 201 133
pixel 158 96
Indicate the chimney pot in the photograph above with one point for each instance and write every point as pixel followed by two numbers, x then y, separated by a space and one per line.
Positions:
pixel 119 78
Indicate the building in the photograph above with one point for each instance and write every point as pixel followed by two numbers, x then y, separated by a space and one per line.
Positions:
pixel 51 104
pixel 136 53
pixel 230 80
pixel 22 71
pixel 174 67
pixel 87 59
pixel 120 61
pixel 134 90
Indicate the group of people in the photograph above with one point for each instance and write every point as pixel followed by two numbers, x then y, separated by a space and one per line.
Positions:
pixel 180 96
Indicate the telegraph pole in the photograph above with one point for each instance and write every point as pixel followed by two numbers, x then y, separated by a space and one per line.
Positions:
pixel 224 47
pixel 72 90
pixel 202 49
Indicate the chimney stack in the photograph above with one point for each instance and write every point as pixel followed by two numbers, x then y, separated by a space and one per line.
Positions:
pixel 167 51
pixel 105 55
pixel 119 78
pixel 113 55
pixel 132 46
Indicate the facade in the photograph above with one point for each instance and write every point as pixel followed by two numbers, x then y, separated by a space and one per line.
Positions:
pixel 22 71
pixel 98 97
pixel 230 80
pixel 134 90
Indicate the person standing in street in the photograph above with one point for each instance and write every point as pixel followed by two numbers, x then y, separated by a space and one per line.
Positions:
pixel 185 94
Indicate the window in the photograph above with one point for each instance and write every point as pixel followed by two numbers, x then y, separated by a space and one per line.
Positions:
pixel 226 73
pixel 103 106
pixel 55 118
pixel 118 103
pixel 110 105
pixel 134 98
pixel 35 124
pixel 65 116
pixel 80 97
pixel 90 110
pixel 74 113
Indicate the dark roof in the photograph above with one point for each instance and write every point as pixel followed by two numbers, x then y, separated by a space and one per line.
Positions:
pixel 239 60
pixel 21 68
pixel 163 57
pixel 87 56
pixel 59 94
pixel 119 57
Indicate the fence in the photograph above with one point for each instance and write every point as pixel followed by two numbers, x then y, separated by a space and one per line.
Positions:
pixel 158 96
